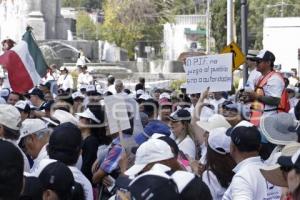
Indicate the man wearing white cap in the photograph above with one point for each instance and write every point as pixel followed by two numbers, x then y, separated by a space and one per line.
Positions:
pixel 84 77
pixel 35 136
pixel 10 122
pixel 65 80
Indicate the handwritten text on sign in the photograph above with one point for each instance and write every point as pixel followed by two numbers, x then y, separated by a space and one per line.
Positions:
pixel 212 71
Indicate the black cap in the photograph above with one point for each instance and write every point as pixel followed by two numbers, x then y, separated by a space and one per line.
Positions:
pixel 37 92
pixel 65 137
pixel 59 178
pixel 154 186
pixel 246 139
pixel 290 161
pixel 180 115
pixel 265 56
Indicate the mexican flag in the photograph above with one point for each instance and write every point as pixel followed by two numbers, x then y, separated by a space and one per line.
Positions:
pixel 24 63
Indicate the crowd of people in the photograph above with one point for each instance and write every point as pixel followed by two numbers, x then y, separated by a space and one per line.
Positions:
pixel 57 143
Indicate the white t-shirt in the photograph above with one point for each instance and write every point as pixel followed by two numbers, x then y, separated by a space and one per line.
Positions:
pixel 187 146
pixel 249 184
pixel 65 81
pixel 252 79
pixel 216 103
pixel 293 102
pixel 42 155
pixel 216 190
pixel 82 180
pixel 274 88
pixel 84 79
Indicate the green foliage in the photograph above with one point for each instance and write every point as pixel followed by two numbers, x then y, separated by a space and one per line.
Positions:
pixel 175 85
pixel 258 10
pixel 130 21
pixel 218 23
pixel 86 28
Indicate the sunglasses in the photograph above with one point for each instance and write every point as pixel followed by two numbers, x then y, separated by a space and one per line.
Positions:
pixel 259 61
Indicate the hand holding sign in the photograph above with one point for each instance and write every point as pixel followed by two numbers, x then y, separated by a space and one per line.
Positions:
pixel 212 71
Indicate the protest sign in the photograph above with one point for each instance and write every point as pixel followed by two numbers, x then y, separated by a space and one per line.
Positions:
pixel 214 71
pixel 116 112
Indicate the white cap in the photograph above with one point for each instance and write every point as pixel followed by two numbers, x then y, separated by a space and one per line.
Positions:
pixel 30 126
pixel 21 104
pixel 91 88
pixel 145 96
pixel 88 114
pixel 4 92
pixel 219 141
pixel 164 95
pixel 63 116
pixel 10 116
pixel 152 150
pixel 182 179
pixel 140 91
pixel 215 121
pixel 183 85
pixel 77 95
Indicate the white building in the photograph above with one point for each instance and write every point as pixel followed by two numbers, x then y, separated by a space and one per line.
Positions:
pixel 281 36
pixel 178 35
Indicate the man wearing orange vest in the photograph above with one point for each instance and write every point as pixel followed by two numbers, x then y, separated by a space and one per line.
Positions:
pixel 269 88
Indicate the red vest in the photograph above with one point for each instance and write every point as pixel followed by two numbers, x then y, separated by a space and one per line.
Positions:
pixel 257 108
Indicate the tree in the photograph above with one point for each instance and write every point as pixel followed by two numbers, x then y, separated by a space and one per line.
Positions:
pixel 258 10
pixel 131 22
pixel 85 26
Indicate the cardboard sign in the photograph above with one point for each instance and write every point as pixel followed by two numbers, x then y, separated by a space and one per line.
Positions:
pixel 116 112
pixel 214 71
pixel 238 57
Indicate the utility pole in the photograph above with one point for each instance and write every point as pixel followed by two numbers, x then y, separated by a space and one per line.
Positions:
pixel 208 27
pixel 229 21
pixel 244 24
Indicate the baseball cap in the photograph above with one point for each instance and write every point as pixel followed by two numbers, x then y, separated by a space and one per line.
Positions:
pixel 153 150
pixel 252 54
pixel 164 95
pixel 65 137
pixel 78 95
pixel 215 121
pixel 219 141
pixel 265 55
pixel 30 126
pixel 290 161
pixel 22 106
pixel 89 115
pixel 246 137
pixel 190 186
pixel 10 116
pixel 4 92
pixel 64 116
pixel 145 96
pixel 180 115
pixel 57 177
pixel 155 185
pixel 37 92
pixel 151 128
